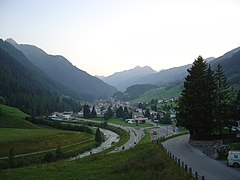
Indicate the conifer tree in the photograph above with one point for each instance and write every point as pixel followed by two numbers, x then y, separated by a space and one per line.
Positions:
pixel 109 114
pixel 93 112
pixel 224 100
pixel 119 112
pixel 147 113
pixel 86 111
pixel 196 104
pixel 98 136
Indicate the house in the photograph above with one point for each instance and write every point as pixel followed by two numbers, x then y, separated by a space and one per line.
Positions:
pixel 139 118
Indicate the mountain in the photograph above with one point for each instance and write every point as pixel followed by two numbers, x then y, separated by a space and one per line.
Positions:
pixel 24 86
pixel 122 80
pixel 61 70
pixel 134 91
pixel 165 76
pixel 171 80
pixel 230 62
pixel 174 74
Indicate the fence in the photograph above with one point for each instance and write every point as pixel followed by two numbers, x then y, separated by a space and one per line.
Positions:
pixel 181 164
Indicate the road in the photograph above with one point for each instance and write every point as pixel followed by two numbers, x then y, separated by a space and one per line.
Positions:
pixel 198 161
pixel 111 138
pixel 162 131
pixel 135 135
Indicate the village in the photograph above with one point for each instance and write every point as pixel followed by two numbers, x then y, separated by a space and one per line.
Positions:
pixel 139 115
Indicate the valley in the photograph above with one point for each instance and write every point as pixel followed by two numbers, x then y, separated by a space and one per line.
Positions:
pixel 58 121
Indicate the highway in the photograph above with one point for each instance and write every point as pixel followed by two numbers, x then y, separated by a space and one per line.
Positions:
pixel 135 135
pixel 204 165
pixel 111 138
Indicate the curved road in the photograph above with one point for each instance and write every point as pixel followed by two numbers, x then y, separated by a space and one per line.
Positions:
pixel 135 135
pixel 111 137
pixel 204 165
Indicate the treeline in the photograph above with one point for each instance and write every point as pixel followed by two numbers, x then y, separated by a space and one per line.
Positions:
pixel 207 106
pixel 60 125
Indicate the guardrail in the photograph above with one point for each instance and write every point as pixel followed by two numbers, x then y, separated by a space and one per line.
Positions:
pixel 181 164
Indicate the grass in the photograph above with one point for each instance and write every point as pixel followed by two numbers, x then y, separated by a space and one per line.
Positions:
pixel 145 161
pixel 159 93
pixel 31 140
pixel 14 118
pixel 147 138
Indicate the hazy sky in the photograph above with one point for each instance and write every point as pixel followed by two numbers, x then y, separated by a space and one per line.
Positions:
pixel 106 36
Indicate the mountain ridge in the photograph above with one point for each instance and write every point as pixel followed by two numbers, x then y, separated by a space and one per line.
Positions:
pixel 62 71
pixel 123 79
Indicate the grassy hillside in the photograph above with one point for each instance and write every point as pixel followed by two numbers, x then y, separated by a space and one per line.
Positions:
pixel 145 161
pixel 164 92
pixel 31 140
pixel 11 117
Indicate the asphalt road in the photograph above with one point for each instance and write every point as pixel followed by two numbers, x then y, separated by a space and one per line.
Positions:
pixel 111 138
pixel 135 135
pixel 204 165
pixel 161 131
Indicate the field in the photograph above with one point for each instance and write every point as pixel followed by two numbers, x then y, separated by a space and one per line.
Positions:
pixel 31 140
pixel 146 161
pixel 159 93
pixel 14 118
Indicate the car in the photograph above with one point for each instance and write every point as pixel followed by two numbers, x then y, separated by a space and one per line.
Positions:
pixel 233 159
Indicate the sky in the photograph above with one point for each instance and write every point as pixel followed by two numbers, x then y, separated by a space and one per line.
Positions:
pixel 106 36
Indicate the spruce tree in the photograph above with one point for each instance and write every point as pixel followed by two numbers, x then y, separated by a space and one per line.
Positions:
pixel 224 100
pixel 109 114
pixel 93 112
pixel 119 112
pixel 196 104
pixel 237 106
pixel 86 111
pixel 98 136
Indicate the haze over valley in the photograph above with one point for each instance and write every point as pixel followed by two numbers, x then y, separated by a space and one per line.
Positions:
pixel 120 89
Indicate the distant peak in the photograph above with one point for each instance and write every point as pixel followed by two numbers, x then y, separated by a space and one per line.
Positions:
pixel 11 41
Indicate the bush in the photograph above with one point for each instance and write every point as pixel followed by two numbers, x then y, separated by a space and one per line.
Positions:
pixel 11 159
pixel 49 157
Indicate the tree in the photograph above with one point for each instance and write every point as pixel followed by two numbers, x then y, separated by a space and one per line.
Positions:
pixel 109 114
pixel 224 100
pixel 119 112
pixel 11 159
pixel 126 113
pixel 147 113
pixel 237 106
pixel 59 153
pixel 2 100
pixel 98 136
pixel 196 104
pixel 49 157
pixel 93 113
pixel 86 111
